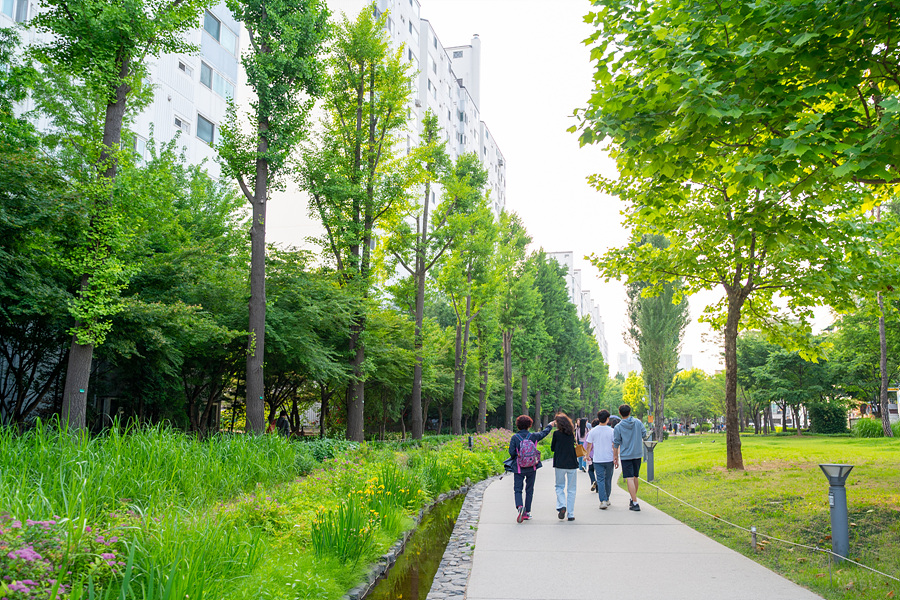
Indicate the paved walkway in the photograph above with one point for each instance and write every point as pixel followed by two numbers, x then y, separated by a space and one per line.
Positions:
pixel 636 555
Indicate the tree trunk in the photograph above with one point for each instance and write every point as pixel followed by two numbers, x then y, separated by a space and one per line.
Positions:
pixel 882 364
pixel 537 408
pixel 524 390
pixel 659 412
pixel 356 387
pixel 459 380
pixel 507 379
pixel 256 342
pixel 733 457
pixel 480 424
pixel 419 276
pixel 440 420
pixel 81 356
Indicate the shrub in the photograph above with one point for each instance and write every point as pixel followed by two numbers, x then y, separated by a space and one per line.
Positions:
pixel 868 428
pixel 325 448
pixel 827 418
pixel 345 533
pixel 895 427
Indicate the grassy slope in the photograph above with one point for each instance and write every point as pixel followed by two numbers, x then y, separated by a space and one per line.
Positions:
pixel 784 494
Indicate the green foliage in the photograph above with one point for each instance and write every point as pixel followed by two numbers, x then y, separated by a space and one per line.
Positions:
pixel 325 448
pixel 827 418
pixel 867 427
pixel 345 533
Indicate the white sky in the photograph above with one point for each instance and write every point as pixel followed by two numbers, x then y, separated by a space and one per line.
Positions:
pixel 535 71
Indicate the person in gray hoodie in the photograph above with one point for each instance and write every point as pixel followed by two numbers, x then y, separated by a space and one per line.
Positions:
pixel 628 437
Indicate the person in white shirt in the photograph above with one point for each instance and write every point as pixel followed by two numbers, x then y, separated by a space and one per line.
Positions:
pixel 599 446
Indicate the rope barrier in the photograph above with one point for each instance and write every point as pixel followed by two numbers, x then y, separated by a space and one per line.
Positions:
pixel 771 537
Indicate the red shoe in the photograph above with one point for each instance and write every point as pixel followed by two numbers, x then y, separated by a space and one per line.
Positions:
pixel 521 516
pixel 527 516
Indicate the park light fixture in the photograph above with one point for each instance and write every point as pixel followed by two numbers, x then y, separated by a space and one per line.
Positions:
pixel 649 445
pixel 837 502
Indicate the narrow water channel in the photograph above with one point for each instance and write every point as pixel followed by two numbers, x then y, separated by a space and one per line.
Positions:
pixel 410 578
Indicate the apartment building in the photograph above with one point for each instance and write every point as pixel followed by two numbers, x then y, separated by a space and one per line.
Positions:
pixel 581 298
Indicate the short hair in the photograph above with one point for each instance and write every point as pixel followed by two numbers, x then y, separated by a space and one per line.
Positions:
pixel 603 415
pixel 595 422
pixel 284 414
pixel 523 422
pixel 625 410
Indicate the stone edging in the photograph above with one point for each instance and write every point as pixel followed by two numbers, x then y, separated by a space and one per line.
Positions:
pixel 387 560
pixel 452 576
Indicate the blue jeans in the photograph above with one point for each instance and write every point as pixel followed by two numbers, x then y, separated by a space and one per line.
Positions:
pixel 604 473
pixel 565 489
pixel 526 479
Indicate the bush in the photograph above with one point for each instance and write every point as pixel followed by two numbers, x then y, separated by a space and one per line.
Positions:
pixel 895 427
pixel 868 428
pixel 827 418
pixel 325 448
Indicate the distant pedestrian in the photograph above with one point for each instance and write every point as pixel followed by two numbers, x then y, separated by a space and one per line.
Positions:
pixel 565 464
pixel 628 446
pixel 284 425
pixel 525 460
pixel 581 432
pixel 593 479
pixel 600 451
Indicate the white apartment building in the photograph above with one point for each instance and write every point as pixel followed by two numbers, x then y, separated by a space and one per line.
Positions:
pixel 581 298
pixel 190 92
pixel 627 363
pixel 448 82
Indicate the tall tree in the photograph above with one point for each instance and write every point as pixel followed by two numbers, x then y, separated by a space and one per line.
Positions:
pixel 468 279
pixel 511 244
pixel 284 69
pixel 353 176
pixel 655 330
pixel 104 46
pixel 706 162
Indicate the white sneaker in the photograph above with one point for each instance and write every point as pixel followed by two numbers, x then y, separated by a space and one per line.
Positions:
pixel 604 505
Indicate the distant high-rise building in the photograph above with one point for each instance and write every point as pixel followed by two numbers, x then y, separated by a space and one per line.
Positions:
pixel 581 298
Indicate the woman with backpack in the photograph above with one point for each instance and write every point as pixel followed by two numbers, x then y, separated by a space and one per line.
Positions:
pixel 565 464
pixel 525 460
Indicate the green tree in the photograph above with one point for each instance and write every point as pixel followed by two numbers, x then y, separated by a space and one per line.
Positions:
pixel 284 70
pixel 104 46
pixel 699 163
pixel 469 280
pixel 635 394
pixel 655 331
pixel 353 176
pixel 753 352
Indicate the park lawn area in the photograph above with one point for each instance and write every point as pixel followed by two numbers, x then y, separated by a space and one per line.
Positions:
pixel 784 493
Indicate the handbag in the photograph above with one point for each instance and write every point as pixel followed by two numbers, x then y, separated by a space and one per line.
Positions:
pixel 580 451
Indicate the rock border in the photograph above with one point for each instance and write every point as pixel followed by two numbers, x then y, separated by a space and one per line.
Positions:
pixel 452 577
pixel 468 515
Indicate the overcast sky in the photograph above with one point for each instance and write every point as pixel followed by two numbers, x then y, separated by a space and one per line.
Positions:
pixel 535 71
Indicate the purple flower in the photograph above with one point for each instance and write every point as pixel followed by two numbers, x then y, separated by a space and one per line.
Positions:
pixel 107 556
pixel 27 554
pixel 16 524
pixel 17 587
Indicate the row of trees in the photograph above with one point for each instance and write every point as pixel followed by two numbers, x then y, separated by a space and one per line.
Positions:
pixel 143 264
pixel 760 140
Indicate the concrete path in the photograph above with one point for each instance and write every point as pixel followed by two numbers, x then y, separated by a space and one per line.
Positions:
pixel 636 555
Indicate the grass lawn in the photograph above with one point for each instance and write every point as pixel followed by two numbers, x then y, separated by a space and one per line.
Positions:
pixel 784 494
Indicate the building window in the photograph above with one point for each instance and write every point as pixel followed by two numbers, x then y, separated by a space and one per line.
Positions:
pixel 457 53
pixel 206 130
pixel 17 10
pixel 410 26
pixel 214 81
pixel 183 125
pixel 185 69
pixel 410 55
pixel 140 149
pixel 220 33
pixel 434 40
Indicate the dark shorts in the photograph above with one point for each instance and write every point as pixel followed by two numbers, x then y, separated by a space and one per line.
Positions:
pixel 631 467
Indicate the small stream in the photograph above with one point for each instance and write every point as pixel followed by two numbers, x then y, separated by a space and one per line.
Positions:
pixel 411 576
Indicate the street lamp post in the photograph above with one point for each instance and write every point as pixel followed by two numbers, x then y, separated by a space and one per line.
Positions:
pixel 837 502
pixel 649 445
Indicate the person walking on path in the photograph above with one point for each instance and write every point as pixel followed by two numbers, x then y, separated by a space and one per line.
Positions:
pixel 525 460
pixel 591 475
pixel 283 425
pixel 581 431
pixel 565 464
pixel 628 437
pixel 600 453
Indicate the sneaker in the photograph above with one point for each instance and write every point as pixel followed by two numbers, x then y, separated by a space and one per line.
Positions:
pixel 604 505
pixel 594 487
pixel 630 503
pixel 561 513
pixel 571 519
pixel 527 516
pixel 521 516
pixel 635 507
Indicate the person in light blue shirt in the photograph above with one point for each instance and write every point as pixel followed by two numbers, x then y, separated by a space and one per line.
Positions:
pixel 628 437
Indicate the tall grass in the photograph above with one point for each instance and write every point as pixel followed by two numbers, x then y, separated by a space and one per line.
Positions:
pixel 46 471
